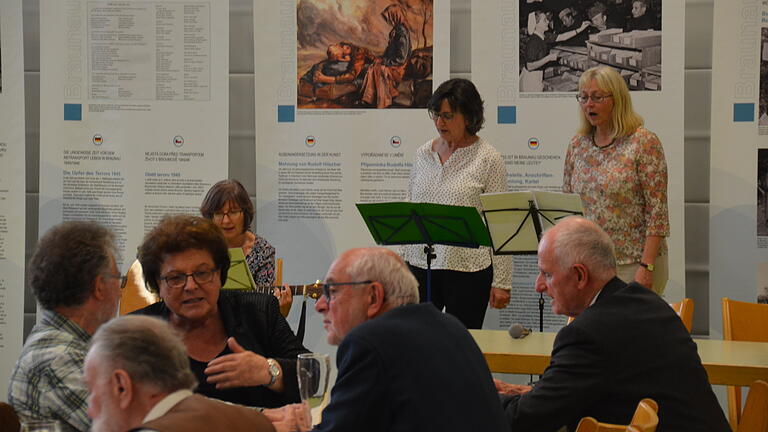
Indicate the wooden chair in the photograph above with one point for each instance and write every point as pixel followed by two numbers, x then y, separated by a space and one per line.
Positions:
pixel 684 309
pixel 755 415
pixel 9 421
pixel 135 295
pixel 646 419
pixel 742 321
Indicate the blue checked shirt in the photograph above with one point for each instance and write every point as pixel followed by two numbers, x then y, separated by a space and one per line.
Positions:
pixel 47 381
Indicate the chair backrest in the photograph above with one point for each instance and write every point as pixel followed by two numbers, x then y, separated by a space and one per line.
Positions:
pixel 9 421
pixel 742 321
pixel 135 294
pixel 646 419
pixel 684 309
pixel 755 415
pixel 279 272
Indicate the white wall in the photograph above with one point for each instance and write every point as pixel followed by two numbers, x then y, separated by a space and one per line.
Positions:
pixel 698 67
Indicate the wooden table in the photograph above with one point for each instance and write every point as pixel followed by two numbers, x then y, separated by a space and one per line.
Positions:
pixel 726 362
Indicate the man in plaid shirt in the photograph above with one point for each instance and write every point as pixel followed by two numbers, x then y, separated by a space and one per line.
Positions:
pixel 75 278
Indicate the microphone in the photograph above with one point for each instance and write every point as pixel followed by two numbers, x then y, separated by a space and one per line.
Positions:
pixel 517 331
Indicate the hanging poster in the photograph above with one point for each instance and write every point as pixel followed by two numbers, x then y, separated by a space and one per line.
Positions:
pixel 341 89
pixel 738 235
pixel 527 58
pixel 12 186
pixel 134 111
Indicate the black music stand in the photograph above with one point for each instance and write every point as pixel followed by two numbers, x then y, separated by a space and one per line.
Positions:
pixel 399 223
pixel 516 221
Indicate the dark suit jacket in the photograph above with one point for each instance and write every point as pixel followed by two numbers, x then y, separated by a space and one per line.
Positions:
pixel 628 346
pixel 412 369
pixel 198 413
pixel 254 320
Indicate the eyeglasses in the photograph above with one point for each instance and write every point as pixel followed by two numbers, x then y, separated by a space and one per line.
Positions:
pixel 447 116
pixel 330 295
pixel 582 98
pixel 123 279
pixel 178 280
pixel 219 216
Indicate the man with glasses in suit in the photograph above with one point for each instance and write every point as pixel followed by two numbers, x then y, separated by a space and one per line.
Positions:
pixel 401 365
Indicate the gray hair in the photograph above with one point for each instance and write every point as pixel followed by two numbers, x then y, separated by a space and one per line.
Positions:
pixel 384 266
pixel 579 241
pixel 67 261
pixel 148 349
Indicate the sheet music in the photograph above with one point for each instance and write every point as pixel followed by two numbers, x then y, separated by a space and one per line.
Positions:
pixel 510 223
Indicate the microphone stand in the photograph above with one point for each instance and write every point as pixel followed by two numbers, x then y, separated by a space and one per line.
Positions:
pixel 541 312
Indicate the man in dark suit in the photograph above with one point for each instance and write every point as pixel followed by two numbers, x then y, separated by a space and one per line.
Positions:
pixel 625 344
pixel 137 373
pixel 401 366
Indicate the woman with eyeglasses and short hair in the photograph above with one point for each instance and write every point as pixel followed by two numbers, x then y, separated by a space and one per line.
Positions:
pixel 228 205
pixel 618 168
pixel 240 347
pixel 455 168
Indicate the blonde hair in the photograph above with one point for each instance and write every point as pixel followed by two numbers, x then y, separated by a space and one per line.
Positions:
pixel 624 119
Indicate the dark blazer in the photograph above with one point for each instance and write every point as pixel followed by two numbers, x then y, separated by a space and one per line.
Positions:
pixel 254 320
pixel 412 369
pixel 627 346
pixel 197 413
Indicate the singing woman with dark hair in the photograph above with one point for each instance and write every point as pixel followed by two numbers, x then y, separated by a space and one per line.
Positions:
pixel 455 168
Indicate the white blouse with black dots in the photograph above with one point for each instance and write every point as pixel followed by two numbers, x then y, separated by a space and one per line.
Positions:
pixel 468 172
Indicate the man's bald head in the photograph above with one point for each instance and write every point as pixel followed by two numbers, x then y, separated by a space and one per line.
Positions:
pixel 576 240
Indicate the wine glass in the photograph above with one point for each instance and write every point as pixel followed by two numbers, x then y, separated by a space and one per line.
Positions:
pixel 314 371
pixel 41 426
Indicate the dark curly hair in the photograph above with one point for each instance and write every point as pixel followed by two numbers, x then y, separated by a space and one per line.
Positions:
pixel 68 258
pixel 180 233
pixel 461 95
pixel 223 192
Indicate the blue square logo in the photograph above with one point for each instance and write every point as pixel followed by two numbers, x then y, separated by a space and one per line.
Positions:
pixel 743 112
pixel 73 112
pixel 286 113
pixel 507 115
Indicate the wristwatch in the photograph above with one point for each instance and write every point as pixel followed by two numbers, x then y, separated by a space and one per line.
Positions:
pixel 648 267
pixel 274 371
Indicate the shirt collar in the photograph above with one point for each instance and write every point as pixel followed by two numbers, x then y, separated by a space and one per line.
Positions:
pixel 166 404
pixel 54 319
pixel 594 299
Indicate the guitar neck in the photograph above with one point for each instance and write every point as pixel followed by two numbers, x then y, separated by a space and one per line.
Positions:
pixel 310 290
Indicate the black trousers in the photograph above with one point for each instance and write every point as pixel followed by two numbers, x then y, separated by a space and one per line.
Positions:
pixel 464 295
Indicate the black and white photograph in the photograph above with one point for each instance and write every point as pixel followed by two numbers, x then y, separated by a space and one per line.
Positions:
pixel 763 116
pixel 559 39
pixel 762 192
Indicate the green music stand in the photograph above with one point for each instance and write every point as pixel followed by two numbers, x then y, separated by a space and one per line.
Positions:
pixel 398 223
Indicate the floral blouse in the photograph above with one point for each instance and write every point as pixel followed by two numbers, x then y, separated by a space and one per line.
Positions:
pixel 623 188
pixel 261 262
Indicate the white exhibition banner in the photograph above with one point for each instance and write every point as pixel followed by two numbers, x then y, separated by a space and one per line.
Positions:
pixel 738 216
pixel 323 146
pixel 12 186
pixel 532 116
pixel 133 111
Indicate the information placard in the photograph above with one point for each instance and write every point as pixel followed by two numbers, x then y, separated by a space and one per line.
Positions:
pixel 529 84
pixel 134 111
pixel 341 90
pixel 12 186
